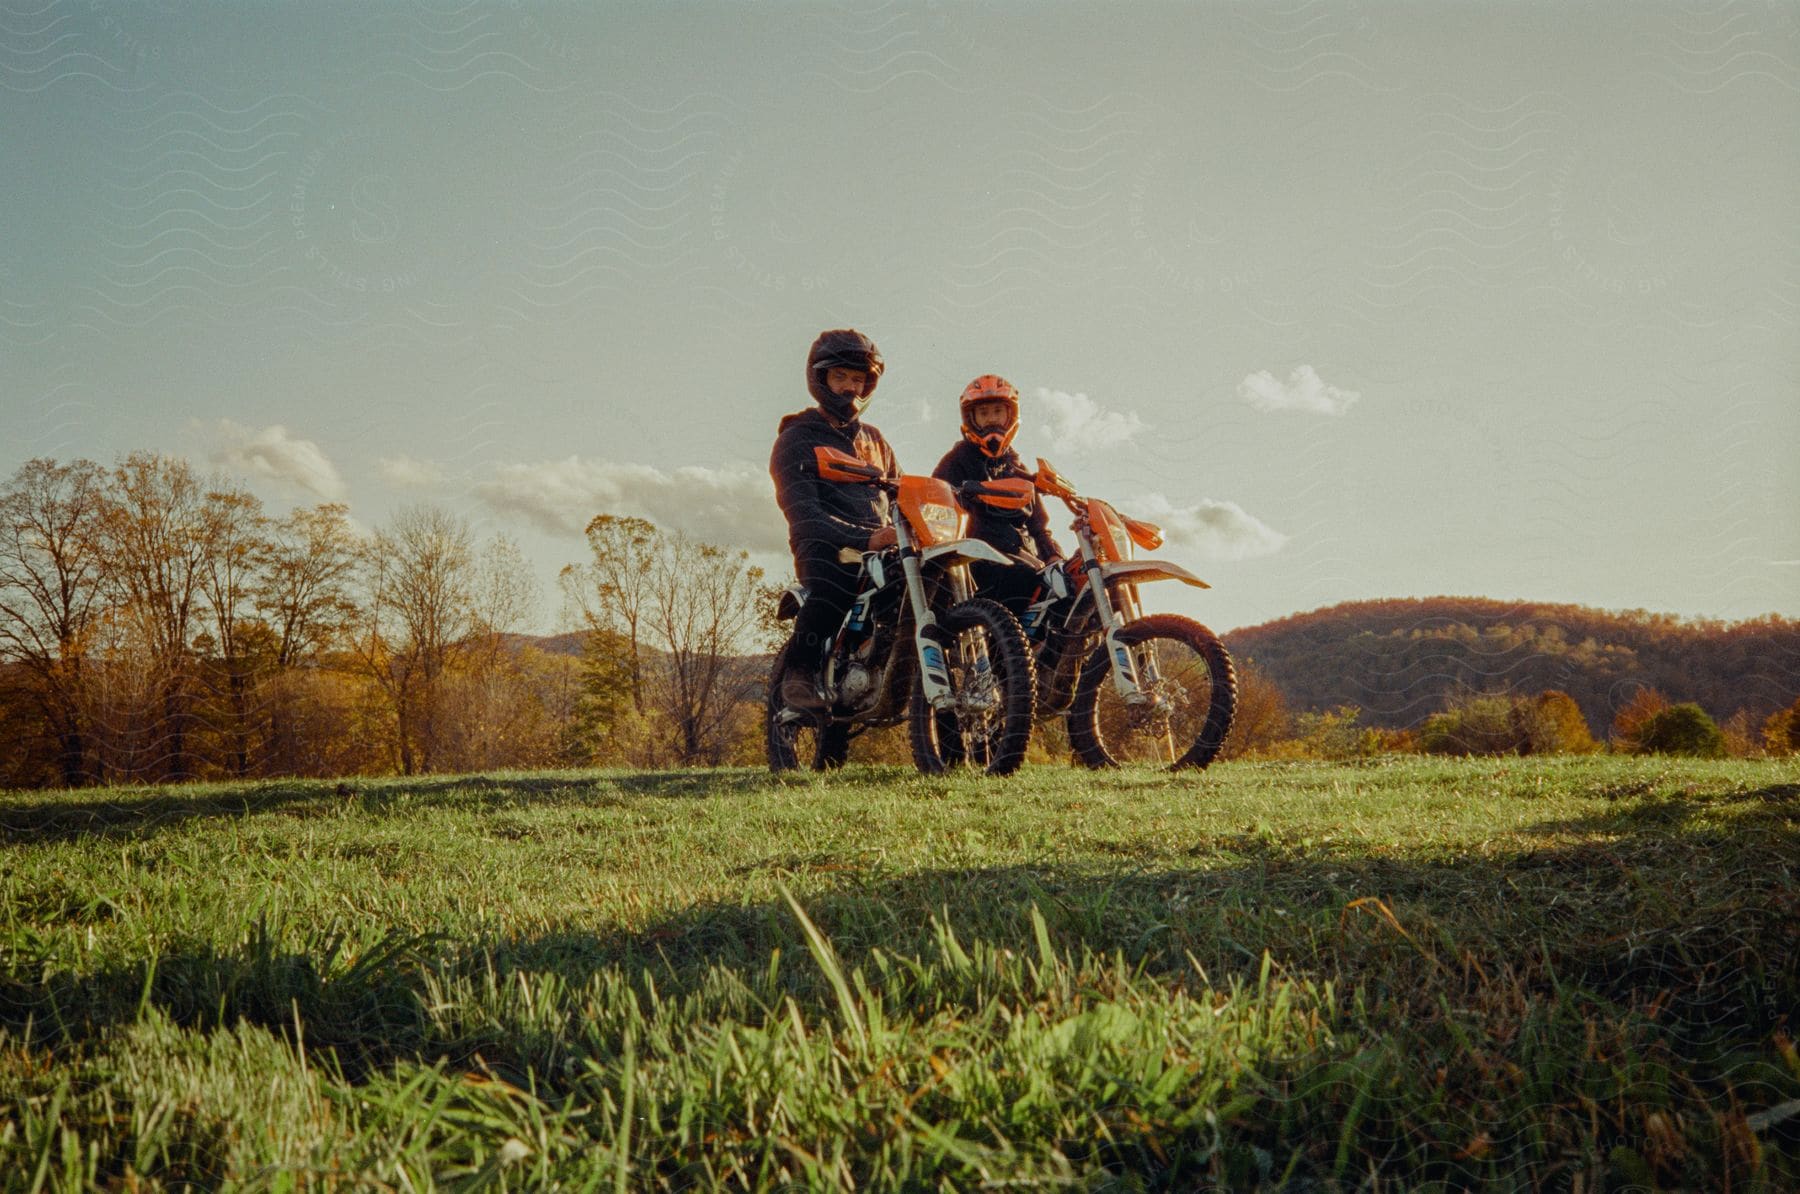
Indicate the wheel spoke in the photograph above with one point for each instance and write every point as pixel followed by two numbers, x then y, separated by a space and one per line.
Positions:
pixel 1174 687
pixel 988 723
pixel 976 688
pixel 1181 711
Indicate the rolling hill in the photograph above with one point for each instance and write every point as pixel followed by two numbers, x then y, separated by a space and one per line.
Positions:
pixel 1400 660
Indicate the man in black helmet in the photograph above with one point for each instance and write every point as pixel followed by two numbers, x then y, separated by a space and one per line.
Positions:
pixel 830 524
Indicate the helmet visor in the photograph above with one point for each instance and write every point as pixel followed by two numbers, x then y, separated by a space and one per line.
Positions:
pixel 991 415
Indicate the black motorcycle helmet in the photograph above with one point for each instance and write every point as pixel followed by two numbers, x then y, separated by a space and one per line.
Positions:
pixel 842 348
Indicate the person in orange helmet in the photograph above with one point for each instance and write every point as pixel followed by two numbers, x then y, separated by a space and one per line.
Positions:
pixel 990 420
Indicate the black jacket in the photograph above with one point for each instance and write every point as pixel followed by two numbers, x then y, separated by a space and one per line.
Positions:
pixel 1004 530
pixel 835 513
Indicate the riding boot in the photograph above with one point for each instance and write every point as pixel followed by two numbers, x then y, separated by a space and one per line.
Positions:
pixel 800 689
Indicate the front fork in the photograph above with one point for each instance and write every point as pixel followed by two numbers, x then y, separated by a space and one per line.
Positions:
pixel 934 671
pixel 1134 686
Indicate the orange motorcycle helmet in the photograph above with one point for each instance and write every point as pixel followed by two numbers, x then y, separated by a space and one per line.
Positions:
pixel 990 413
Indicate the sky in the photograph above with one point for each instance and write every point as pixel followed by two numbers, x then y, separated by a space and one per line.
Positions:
pixel 1359 299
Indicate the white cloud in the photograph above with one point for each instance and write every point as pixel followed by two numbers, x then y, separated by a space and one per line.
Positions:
pixel 403 472
pixel 273 453
pixel 1076 424
pixel 1216 530
pixel 733 506
pixel 1304 390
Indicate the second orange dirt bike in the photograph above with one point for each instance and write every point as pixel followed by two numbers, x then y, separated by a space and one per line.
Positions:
pixel 915 646
pixel 1135 687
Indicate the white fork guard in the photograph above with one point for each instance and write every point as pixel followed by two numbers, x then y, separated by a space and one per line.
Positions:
pixel 1140 571
pixel 958 550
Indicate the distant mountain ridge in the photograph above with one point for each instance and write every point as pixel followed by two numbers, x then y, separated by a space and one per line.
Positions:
pixel 1400 660
pixel 569 642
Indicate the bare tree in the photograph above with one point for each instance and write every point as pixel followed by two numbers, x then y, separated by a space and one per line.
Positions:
pixel 234 531
pixel 304 592
pixel 493 712
pixel 420 611
pixel 156 550
pixel 678 611
pixel 504 590
pixel 704 607
pixel 304 586
pixel 51 593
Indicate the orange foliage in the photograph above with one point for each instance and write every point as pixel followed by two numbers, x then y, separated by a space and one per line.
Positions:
pixel 1628 724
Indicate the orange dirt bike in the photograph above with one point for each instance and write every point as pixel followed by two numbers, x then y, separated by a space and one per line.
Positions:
pixel 1135 687
pixel 915 646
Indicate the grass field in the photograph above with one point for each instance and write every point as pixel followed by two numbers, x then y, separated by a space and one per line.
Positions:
pixel 1565 973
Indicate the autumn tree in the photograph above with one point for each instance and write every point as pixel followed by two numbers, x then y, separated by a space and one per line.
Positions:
pixel 305 586
pixel 1474 724
pixel 504 592
pixel 1628 723
pixel 1554 724
pixel 1741 740
pixel 493 712
pixel 608 597
pixel 51 593
pixel 1333 734
pixel 305 595
pixel 1261 718
pixel 1549 722
pixel 704 607
pixel 614 590
pixel 420 608
pixel 1683 729
pixel 235 539
pixel 155 542
pixel 666 618
pixel 603 718
pixel 1781 730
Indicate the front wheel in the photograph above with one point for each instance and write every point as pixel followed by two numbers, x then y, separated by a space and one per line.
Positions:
pixel 1188 692
pixel 992 679
pixel 804 741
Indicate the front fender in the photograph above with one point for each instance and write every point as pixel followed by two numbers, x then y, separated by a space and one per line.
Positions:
pixel 1138 572
pixel 957 551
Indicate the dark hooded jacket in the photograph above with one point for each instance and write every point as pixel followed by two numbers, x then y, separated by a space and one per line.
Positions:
pixel 835 513
pixel 1009 531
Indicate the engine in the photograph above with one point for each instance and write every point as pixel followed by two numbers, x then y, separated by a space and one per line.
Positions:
pixel 857 685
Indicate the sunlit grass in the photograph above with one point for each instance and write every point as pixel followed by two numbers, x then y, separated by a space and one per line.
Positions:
pixel 1485 974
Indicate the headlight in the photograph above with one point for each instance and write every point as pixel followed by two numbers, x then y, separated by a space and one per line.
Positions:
pixel 942 523
pixel 1115 530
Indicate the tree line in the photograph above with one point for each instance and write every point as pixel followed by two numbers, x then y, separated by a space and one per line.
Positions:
pixel 157 625
pixel 1500 722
